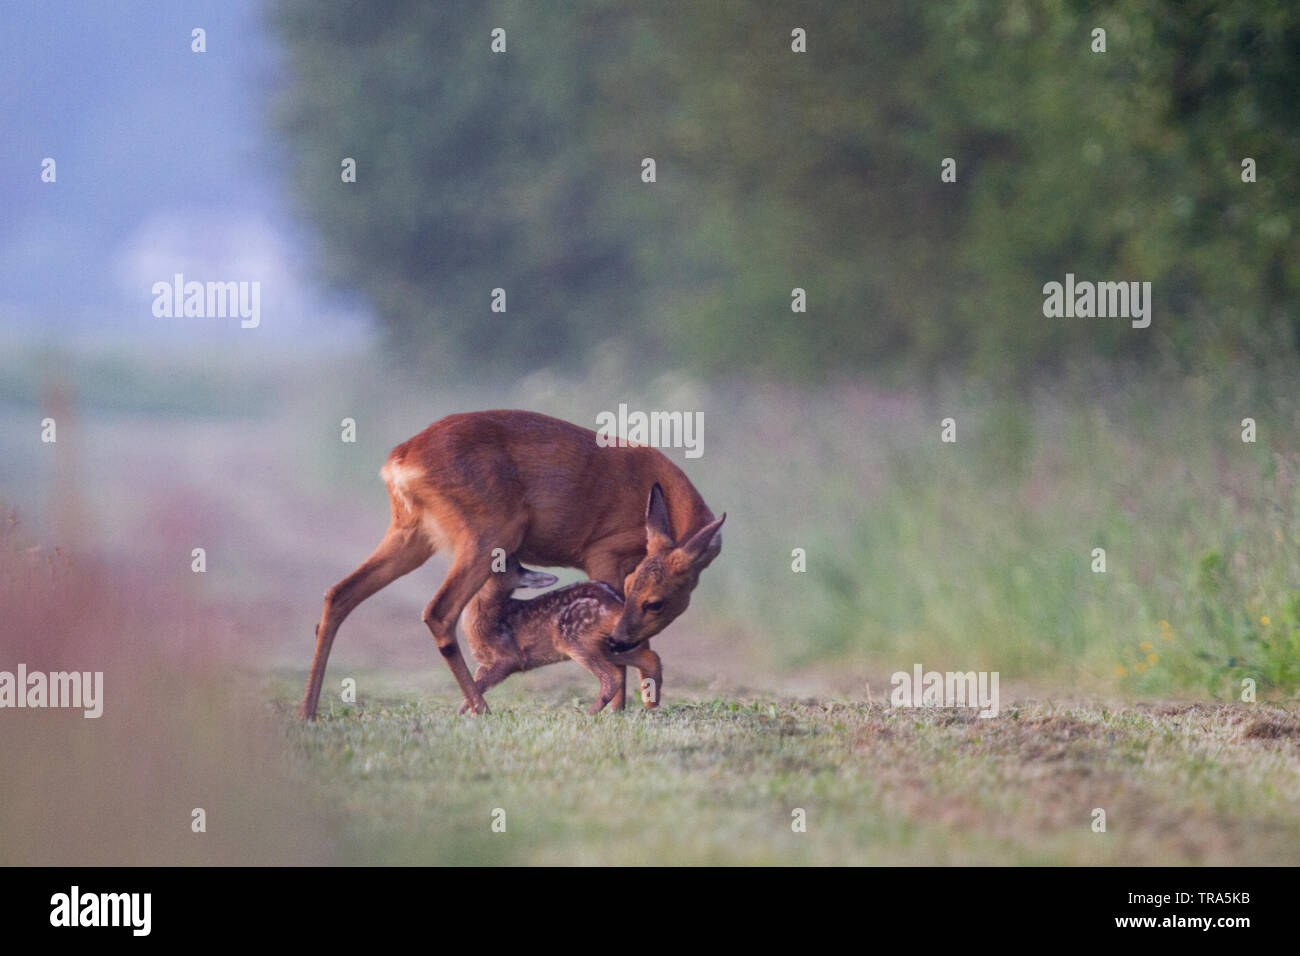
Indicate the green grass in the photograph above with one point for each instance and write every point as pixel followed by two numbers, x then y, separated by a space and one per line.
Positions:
pixel 969 556
pixel 715 781
pixel 972 555
pixel 978 554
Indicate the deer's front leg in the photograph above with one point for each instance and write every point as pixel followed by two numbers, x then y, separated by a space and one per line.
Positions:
pixel 609 566
pixel 650 671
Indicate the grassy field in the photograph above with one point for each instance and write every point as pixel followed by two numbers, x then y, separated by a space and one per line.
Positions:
pixel 716 781
pixel 977 554
pixel 1122 690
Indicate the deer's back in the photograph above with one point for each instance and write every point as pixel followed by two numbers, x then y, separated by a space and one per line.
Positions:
pixel 572 493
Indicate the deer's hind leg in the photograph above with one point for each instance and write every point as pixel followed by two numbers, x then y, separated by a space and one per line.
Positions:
pixel 488 676
pixel 470 569
pixel 403 550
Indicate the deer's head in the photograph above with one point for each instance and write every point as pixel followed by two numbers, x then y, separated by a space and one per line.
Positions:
pixel 659 588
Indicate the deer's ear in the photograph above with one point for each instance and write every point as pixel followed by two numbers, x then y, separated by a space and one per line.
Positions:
pixel 659 532
pixel 705 544
pixel 528 578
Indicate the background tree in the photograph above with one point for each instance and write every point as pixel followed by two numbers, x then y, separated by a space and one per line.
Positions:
pixel 818 170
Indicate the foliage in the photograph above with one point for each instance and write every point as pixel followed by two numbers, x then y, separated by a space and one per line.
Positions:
pixel 819 170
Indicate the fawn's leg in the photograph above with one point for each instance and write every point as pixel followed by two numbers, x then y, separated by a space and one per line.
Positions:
pixel 611 568
pixel 606 673
pixel 619 700
pixel 402 551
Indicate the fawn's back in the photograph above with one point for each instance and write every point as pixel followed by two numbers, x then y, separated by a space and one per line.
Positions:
pixel 551 627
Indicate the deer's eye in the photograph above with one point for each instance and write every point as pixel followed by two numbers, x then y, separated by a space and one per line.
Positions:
pixel 652 606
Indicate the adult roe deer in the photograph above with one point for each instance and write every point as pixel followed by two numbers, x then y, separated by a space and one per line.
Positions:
pixel 545 491
pixel 576 622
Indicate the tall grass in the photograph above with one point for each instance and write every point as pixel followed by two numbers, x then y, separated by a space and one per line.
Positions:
pixel 180 731
pixel 980 553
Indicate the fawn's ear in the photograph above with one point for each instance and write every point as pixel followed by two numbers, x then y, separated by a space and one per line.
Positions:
pixel 528 578
pixel 705 544
pixel 659 533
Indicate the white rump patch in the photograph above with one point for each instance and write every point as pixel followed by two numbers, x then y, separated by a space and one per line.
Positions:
pixel 398 478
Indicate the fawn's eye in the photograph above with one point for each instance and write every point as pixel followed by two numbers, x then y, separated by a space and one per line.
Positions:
pixel 652 606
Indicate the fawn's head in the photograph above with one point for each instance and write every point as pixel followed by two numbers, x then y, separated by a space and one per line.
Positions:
pixel 659 588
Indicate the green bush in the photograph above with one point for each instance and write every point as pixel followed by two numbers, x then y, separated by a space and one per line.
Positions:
pixel 819 170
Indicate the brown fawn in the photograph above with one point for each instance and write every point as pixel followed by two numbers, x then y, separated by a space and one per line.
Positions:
pixel 577 622
pixel 547 492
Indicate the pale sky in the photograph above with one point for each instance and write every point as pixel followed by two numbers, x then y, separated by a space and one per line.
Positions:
pixel 165 163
